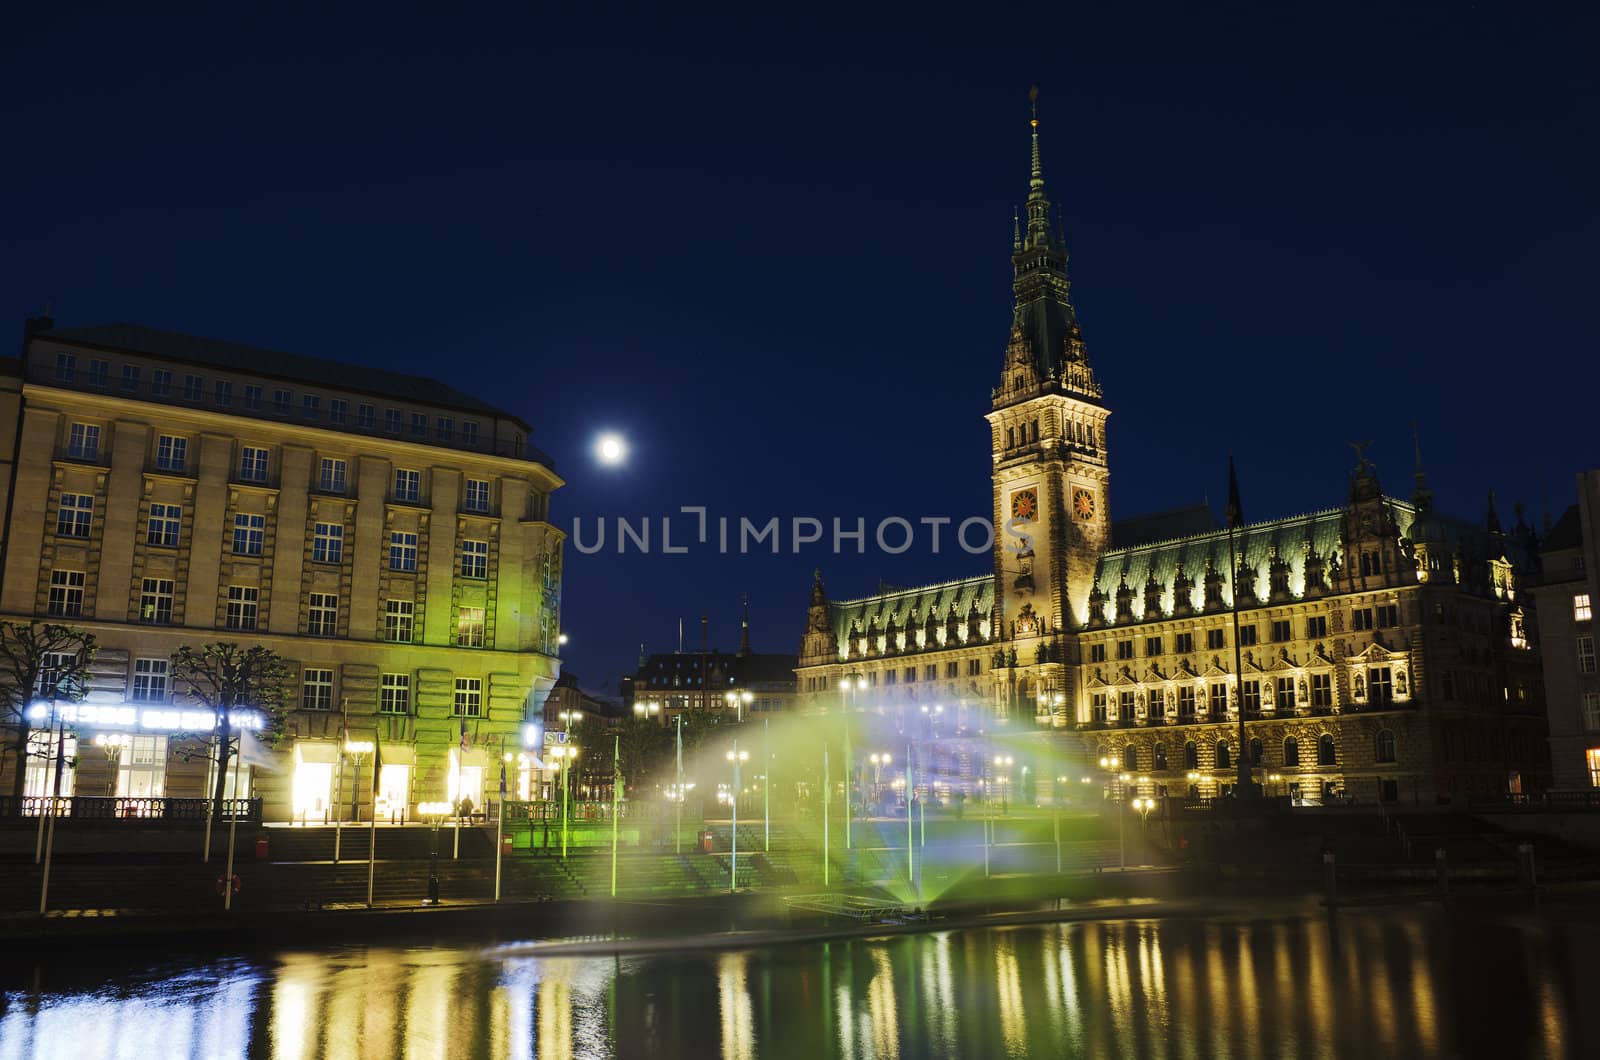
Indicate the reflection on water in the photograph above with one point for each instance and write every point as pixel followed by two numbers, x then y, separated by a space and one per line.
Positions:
pixel 1413 983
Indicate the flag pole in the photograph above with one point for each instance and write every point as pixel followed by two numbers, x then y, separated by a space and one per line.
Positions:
pixel 216 756
pixel 677 810
pixel 500 820
pixel 827 797
pixel 233 830
pixel 338 798
pixel 461 752
pixel 616 804
pixel 372 832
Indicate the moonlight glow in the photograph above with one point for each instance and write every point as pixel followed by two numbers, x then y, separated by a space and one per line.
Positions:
pixel 610 450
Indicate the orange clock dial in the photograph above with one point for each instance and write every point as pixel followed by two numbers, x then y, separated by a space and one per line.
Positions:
pixel 1025 505
pixel 1083 503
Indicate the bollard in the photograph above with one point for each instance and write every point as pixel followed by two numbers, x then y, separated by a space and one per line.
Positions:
pixel 1441 866
pixel 1330 878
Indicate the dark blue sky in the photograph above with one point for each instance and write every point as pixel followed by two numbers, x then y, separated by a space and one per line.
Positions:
pixel 777 258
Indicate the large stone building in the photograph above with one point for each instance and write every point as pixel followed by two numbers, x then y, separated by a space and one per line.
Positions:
pixel 1568 589
pixel 744 685
pixel 388 535
pixel 1382 650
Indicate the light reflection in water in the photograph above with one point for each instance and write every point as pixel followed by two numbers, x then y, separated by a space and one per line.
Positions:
pixel 1399 983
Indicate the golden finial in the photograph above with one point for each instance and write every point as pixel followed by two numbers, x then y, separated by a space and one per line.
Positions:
pixel 1033 104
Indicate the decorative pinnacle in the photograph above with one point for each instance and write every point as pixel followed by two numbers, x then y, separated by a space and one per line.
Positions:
pixel 1036 179
pixel 1016 229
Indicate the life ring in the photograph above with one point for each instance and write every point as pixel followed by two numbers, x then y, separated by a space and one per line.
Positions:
pixel 238 884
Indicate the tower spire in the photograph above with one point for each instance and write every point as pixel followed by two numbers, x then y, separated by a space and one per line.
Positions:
pixel 1038 205
pixel 744 628
pixel 1421 496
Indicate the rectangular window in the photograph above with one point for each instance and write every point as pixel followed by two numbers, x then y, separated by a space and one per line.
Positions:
pixel 150 680
pixel 1097 707
pixel 1282 630
pixel 1219 699
pixel 1247 636
pixel 331 479
pixel 474 559
pixel 222 392
pixel 930 672
pixel 1125 705
pixel 394 694
pixel 1322 691
pixel 477 495
pixel 316 690
pixel 249 534
pixel 469 432
pixel 252 396
pixel 66 593
pixel 172 453
pixel 974 667
pixel 402 550
pixel 66 367
pixel 1214 639
pixel 252 464
pixel 1285 696
pixel 1124 649
pixel 155 601
pixel 99 373
pixel 83 441
pixel 407 486
pixel 891 677
pixel 310 406
pixel 1097 653
pixel 1183 643
pixel 419 425
pixel 1581 609
pixel 1361 618
pixel 469 628
pixel 322 616
pixel 1591 710
pixel 445 428
pixel 166 521
pixel 160 383
pixel 1380 686
pixel 1388 616
pixel 281 400
pixel 1586 653
pixel 1251 695
pixel 192 385
pixel 130 377
pixel 1592 756
pixel 74 515
pixel 391 420
pixel 469 697
pixel 242 603
pixel 366 417
pixel 338 410
pixel 911 675
pixel 1316 627
pixel 397 620
pixel 1152 646
pixel 327 543
pixel 1185 701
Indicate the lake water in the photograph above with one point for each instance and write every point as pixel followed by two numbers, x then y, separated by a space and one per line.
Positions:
pixel 1398 982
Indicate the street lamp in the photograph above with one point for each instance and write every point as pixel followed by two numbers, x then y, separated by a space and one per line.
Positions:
pixel 112 744
pixel 738 701
pixel 848 687
pixel 735 756
pixel 355 749
pixel 564 754
pixel 433 812
pixel 648 709
pixel 1002 782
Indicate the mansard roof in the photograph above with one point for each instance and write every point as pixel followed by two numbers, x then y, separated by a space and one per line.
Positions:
pixel 900 603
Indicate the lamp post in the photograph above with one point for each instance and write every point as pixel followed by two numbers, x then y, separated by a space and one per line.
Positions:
pixel 1002 781
pixel 1112 763
pixel 849 686
pixel 564 754
pixel 735 756
pixel 738 701
pixel 355 749
pixel 648 709
pixel 434 812
pixel 1143 804
pixel 112 744
pixel 878 762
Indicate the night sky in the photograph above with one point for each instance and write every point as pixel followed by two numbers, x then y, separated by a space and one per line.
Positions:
pixel 777 257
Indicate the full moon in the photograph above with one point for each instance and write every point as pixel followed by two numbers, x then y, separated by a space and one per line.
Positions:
pixel 611 450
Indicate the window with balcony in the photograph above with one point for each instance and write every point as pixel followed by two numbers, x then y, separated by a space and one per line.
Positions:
pixel 1097 707
pixel 74 515
pixel 469 432
pixel 1219 698
pixel 1251 695
pixel 1125 705
pixel 311 406
pixel 392 420
pixel 444 428
pixel 1186 702
pixel 1322 691
pixel 66 367
pixel 419 425
pixel 281 400
pixel 99 374
pixel 1380 686
pixel 1284 699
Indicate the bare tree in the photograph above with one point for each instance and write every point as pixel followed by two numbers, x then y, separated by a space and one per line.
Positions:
pixel 38 661
pixel 227 677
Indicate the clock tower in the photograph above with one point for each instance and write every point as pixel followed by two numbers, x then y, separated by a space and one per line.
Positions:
pixel 1047 427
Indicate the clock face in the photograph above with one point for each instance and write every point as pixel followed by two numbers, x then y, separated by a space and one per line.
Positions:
pixel 1025 505
pixel 1083 503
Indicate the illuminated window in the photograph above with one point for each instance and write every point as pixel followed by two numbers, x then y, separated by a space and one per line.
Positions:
pixel 1593 755
pixel 469 697
pixel 150 680
pixel 66 593
pixel 327 543
pixel 74 515
pixel 166 520
pixel 316 690
pixel 394 694
pixel 322 615
pixel 1581 611
pixel 155 601
pixel 142 768
pixel 397 620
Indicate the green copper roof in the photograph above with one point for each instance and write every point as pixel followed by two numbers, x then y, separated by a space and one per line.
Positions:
pixel 875 612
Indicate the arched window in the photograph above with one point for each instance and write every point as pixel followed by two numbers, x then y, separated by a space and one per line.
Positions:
pixel 1130 758
pixel 1191 756
pixel 1223 760
pixel 1326 753
pixel 1161 757
pixel 1255 752
pixel 1385 746
pixel 1291 752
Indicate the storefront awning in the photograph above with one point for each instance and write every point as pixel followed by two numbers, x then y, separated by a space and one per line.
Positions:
pixel 320 751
